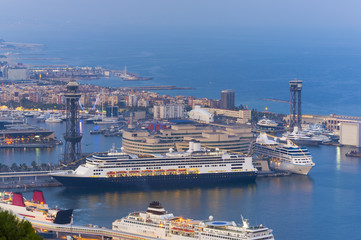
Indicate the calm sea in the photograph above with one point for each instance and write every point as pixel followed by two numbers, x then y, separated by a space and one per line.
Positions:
pixel 256 65
pixel 323 205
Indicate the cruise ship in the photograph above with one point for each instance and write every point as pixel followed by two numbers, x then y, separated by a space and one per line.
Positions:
pixel 285 157
pixel 36 209
pixel 193 167
pixel 157 223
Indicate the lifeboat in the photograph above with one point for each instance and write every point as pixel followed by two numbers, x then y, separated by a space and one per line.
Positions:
pixel 147 172
pixel 182 171
pixel 159 172
pixel 171 171
pixel 134 172
pixel 110 174
pixel 122 173
pixel 176 229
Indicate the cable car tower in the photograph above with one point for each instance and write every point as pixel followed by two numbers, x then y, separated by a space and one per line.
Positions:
pixel 72 136
pixel 295 104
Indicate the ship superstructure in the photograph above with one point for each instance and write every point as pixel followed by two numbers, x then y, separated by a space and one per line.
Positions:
pixel 285 157
pixel 195 166
pixel 36 209
pixel 158 223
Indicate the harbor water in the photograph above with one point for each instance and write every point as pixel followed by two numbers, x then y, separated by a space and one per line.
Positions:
pixel 323 205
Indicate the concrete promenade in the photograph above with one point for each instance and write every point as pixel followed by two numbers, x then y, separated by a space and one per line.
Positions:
pixel 83 231
pixel 27 179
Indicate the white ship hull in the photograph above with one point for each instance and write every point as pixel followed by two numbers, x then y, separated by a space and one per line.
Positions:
pixel 293 168
pixel 25 213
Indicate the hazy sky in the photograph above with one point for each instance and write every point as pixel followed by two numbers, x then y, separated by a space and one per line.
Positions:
pixel 67 14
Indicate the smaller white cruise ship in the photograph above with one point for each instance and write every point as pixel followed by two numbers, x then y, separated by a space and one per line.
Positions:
pixel 284 157
pixel 158 223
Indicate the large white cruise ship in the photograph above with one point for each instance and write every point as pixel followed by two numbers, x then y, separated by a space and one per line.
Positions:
pixel 285 157
pixel 158 223
pixel 193 167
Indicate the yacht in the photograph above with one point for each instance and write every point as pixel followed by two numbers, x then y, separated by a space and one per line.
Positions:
pixel 156 222
pixel 264 122
pixel 53 119
pixel 284 157
pixel 107 120
pixel 301 138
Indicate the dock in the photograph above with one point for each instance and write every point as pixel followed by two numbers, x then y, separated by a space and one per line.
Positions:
pixel 162 87
pixel 84 231
pixel 30 179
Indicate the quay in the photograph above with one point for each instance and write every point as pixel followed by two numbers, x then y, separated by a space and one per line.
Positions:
pixel 162 87
pixel 34 179
pixel 30 179
pixel 83 231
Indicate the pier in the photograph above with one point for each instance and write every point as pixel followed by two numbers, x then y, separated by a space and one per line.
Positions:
pixel 27 180
pixel 83 231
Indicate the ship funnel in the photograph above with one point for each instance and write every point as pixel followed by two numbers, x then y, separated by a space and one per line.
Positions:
pixel 196 146
pixel 38 197
pixel 190 149
pixel 18 200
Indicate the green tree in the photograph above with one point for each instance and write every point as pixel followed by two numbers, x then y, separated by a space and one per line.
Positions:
pixel 14 167
pixel 11 228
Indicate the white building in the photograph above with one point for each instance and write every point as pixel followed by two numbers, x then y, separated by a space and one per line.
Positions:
pixel 17 74
pixel 169 111
pixel 143 103
pixel 200 114
pixel 132 100
pixel 350 134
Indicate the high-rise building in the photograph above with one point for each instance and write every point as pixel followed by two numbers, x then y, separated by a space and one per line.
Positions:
pixel 132 100
pixel 227 99
pixel 169 111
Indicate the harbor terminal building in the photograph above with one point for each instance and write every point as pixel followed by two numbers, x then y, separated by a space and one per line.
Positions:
pixel 229 138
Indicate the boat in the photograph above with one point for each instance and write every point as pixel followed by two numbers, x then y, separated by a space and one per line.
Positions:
pixel 107 120
pixel 53 119
pixel 36 209
pixel 353 153
pixel 94 119
pixel 156 222
pixel 301 138
pixel 265 122
pixel 285 157
pixel 194 167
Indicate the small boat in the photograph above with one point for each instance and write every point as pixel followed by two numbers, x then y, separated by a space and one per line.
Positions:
pixel 353 153
pixel 53 119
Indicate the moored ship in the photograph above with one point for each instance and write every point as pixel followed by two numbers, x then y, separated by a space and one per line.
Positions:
pixel 193 167
pixel 284 157
pixel 36 209
pixel 158 223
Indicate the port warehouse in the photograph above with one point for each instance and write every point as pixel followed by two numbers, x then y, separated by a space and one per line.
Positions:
pixel 236 139
pixel 15 136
